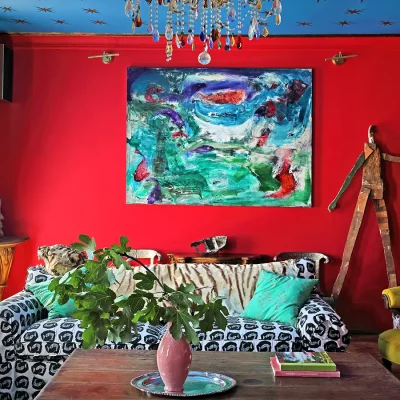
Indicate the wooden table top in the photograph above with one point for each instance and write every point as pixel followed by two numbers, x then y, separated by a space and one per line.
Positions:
pixel 106 374
pixel 12 241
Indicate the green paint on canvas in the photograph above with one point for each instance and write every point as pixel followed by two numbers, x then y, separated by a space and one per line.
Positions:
pixel 194 137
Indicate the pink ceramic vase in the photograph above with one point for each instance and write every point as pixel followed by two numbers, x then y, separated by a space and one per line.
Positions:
pixel 173 360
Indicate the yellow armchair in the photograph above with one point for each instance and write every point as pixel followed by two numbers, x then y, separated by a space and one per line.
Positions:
pixel 389 341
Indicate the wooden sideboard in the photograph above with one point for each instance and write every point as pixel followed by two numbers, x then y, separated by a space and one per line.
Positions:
pixel 7 245
pixel 217 258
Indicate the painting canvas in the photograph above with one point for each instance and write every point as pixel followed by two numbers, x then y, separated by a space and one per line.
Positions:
pixel 233 137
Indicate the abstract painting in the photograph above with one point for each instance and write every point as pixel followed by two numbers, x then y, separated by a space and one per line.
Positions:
pixel 233 137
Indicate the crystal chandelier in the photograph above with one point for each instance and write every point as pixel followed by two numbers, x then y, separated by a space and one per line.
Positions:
pixel 209 23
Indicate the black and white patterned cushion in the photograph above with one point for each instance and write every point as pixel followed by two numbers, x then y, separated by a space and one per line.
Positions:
pixel 32 376
pixel 306 268
pixel 248 345
pixel 36 275
pixel 57 338
pixel 243 334
pixel 17 313
pixel 320 327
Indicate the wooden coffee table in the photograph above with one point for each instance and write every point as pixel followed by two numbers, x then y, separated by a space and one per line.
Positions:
pixel 106 374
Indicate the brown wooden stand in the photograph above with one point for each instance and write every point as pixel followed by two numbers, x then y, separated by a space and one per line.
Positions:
pixel 7 245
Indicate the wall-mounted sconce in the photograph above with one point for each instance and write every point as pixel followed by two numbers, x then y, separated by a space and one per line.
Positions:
pixel 339 59
pixel 105 57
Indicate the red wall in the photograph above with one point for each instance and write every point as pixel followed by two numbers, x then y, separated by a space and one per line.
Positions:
pixel 63 156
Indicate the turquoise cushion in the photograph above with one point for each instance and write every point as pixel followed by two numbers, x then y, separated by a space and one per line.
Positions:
pixel 44 295
pixel 278 298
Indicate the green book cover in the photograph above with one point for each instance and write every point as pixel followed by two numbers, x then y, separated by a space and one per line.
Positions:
pixel 305 361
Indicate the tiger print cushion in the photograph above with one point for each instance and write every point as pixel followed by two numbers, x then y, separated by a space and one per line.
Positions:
pixel 60 259
pixel 234 282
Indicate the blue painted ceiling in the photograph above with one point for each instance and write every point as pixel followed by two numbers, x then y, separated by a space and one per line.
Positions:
pixel 299 17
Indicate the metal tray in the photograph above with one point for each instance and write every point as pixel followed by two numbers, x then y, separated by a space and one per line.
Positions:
pixel 197 384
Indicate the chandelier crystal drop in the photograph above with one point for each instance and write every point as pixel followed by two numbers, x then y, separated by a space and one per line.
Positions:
pixel 207 23
pixel 204 58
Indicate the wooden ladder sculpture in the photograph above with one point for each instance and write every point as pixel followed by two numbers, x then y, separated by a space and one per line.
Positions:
pixel 372 187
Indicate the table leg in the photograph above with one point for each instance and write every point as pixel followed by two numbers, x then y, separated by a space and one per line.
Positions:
pixel 172 259
pixel 6 257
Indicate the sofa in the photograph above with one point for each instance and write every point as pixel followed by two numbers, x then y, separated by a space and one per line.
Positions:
pixel 33 347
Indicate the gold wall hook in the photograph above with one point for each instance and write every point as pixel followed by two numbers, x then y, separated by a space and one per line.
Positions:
pixel 105 57
pixel 339 59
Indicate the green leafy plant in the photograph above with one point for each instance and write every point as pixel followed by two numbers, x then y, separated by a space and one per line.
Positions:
pixel 104 315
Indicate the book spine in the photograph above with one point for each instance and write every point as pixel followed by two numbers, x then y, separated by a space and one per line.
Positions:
pixel 308 374
pixel 303 374
pixel 308 368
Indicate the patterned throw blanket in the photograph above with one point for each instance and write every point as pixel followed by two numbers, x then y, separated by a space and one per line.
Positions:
pixel 234 282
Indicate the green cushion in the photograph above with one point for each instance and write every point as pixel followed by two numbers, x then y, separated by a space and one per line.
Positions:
pixel 278 298
pixel 44 295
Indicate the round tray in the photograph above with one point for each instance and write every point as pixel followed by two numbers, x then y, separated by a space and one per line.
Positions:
pixel 197 384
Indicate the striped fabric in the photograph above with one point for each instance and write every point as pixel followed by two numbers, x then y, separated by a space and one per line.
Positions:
pixel 235 282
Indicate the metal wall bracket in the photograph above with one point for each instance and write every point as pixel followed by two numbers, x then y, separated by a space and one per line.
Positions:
pixel 105 57
pixel 339 58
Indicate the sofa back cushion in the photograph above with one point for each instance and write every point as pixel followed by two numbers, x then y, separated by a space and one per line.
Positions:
pixel 235 282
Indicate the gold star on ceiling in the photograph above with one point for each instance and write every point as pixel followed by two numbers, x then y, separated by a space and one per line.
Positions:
pixel 44 9
pixel 20 21
pixel 345 22
pixel 90 10
pixel 60 21
pixel 99 22
pixel 7 9
pixel 354 11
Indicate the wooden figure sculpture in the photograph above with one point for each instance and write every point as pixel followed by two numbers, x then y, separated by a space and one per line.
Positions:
pixel 372 187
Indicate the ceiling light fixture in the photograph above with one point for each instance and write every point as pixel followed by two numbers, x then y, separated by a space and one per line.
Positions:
pixel 213 23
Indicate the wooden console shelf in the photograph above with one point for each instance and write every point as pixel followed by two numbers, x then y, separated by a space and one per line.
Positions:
pixel 217 258
pixel 7 245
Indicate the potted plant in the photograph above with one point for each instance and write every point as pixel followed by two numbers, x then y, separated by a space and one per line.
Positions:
pixel 106 316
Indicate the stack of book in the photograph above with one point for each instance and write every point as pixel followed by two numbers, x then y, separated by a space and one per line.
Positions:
pixel 304 364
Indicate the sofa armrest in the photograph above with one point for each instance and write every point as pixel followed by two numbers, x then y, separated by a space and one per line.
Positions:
pixel 17 313
pixel 391 297
pixel 320 327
